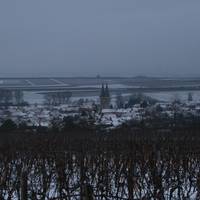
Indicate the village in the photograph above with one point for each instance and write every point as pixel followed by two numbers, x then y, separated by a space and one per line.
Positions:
pixel 103 111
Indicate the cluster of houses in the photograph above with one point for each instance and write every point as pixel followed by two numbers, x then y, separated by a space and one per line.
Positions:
pixel 101 112
pixel 40 115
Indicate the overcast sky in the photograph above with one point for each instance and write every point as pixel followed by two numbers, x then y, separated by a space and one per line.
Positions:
pixel 106 37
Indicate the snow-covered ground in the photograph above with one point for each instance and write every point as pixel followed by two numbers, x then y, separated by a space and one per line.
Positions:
pixel 112 86
pixel 173 95
pixel 37 97
pixel 33 97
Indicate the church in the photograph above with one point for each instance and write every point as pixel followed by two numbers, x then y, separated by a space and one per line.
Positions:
pixel 105 97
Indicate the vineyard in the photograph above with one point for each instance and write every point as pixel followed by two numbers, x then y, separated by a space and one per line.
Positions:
pixel 123 164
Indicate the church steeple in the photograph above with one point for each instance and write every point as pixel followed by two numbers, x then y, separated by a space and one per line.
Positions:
pixel 105 96
pixel 107 93
pixel 102 94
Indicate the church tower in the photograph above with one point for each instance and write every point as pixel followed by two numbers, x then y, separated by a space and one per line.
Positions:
pixel 105 97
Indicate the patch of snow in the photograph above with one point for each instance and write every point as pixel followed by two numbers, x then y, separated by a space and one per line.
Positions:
pixel 111 86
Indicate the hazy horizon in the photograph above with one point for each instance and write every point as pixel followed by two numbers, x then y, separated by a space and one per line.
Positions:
pixel 102 77
pixel 111 38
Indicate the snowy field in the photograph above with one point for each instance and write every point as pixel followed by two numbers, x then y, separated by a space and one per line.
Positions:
pixel 111 86
pixel 37 97
pixel 91 81
pixel 90 87
pixel 173 95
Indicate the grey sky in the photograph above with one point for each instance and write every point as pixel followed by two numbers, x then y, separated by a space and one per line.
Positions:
pixel 109 37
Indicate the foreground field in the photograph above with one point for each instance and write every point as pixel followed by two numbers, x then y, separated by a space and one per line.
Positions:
pixel 80 164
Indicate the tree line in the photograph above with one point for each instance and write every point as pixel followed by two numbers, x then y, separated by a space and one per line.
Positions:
pixel 11 97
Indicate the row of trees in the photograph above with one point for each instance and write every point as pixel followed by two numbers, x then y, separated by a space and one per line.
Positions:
pixel 8 97
pixel 57 98
pixel 143 100
pixel 137 98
